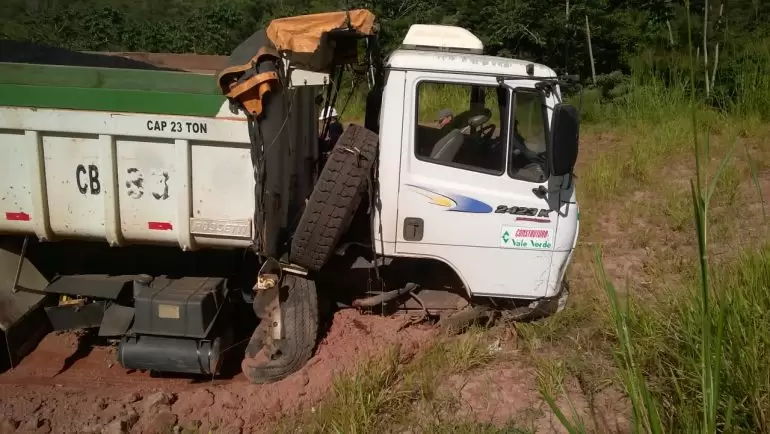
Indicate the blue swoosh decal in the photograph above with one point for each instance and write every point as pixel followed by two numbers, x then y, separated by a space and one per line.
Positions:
pixel 454 202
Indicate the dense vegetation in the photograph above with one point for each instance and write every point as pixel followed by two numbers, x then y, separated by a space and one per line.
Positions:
pixel 626 36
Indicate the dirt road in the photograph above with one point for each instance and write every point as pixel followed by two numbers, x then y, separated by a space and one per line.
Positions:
pixel 67 385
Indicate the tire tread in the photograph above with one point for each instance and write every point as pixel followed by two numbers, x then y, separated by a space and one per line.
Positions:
pixel 335 198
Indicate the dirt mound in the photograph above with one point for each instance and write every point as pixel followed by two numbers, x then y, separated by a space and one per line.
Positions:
pixel 66 387
pixel 30 52
pixel 36 53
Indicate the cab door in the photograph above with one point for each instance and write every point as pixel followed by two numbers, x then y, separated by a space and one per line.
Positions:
pixel 476 205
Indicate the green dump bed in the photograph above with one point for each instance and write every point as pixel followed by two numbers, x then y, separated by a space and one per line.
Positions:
pixel 38 76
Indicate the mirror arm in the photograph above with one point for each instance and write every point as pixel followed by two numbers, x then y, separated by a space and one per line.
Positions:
pixel 541 191
pixel 570 180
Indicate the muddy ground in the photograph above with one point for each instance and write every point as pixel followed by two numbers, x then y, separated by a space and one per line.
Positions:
pixel 68 385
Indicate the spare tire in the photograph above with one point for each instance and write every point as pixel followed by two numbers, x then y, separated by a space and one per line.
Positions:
pixel 335 198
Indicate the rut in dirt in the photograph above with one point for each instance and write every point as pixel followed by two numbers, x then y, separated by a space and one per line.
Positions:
pixel 95 391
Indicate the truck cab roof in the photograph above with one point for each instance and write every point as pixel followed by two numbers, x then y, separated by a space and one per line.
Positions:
pixel 453 49
pixel 475 64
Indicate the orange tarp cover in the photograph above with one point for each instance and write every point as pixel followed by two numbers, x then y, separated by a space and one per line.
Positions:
pixel 302 34
pixel 300 38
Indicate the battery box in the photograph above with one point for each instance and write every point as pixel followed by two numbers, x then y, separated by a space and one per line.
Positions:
pixel 185 307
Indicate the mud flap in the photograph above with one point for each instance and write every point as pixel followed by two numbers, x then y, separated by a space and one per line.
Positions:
pixel 22 320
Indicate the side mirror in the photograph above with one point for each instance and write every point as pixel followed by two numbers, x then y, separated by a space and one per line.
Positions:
pixel 565 134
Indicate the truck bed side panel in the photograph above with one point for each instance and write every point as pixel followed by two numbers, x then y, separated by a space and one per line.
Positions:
pixel 125 178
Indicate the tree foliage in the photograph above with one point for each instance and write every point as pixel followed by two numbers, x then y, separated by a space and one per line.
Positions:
pixel 625 34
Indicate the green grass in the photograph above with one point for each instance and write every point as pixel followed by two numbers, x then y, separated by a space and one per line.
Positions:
pixel 671 338
pixel 748 81
pixel 389 391
pixel 658 350
pixel 698 362
pixel 476 428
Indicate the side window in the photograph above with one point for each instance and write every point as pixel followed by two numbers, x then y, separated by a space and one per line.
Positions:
pixel 459 125
pixel 528 138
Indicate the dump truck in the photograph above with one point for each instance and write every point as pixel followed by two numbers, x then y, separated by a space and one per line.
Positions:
pixel 150 198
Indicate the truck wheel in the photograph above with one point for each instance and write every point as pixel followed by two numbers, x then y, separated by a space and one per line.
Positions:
pixel 335 198
pixel 267 362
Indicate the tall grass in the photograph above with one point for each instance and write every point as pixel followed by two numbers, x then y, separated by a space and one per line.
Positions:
pixel 662 355
pixel 751 81
pixel 670 341
pixel 712 346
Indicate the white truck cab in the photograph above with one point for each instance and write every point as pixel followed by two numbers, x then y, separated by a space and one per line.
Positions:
pixel 479 198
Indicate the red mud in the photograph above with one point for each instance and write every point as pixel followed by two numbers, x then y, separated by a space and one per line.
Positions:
pixel 95 394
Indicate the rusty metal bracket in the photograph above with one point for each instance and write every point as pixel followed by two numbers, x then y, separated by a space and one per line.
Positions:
pixel 267 305
pixel 272 313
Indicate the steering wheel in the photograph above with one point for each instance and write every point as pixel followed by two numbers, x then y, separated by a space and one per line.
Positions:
pixel 487 131
pixel 483 133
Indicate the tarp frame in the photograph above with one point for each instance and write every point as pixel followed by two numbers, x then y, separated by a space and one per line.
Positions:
pixel 257 80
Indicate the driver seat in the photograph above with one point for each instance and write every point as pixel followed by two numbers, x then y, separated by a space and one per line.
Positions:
pixel 446 148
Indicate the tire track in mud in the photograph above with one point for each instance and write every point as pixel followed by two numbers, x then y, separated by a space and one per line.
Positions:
pixel 95 391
